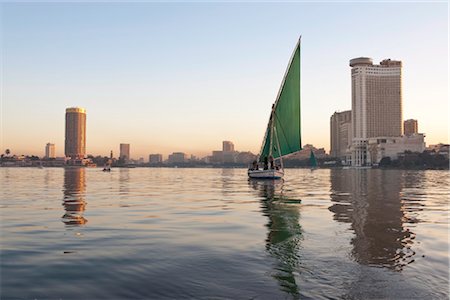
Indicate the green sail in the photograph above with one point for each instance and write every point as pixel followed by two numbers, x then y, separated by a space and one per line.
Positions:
pixel 283 130
pixel 312 160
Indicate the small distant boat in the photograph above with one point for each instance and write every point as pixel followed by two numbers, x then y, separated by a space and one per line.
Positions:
pixel 107 167
pixel 282 137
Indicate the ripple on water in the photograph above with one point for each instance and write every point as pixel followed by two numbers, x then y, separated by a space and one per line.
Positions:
pixel 212 233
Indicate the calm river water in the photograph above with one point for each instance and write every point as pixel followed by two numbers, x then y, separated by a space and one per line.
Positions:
pixel 211 233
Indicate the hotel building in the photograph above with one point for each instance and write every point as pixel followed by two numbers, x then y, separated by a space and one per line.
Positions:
pixel 376 104
pixel 75 141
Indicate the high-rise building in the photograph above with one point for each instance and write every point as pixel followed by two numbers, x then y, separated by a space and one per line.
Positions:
pixel 227 146
pixel 125 152
pixel 50 150
pixel 376 98
pixel 376 103
pixel 75 142
pixel 410 127
pixel 340 133
pixel 155 158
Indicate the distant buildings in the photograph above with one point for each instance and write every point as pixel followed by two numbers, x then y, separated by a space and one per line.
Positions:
pixel 75 138
pixel 50 150
pixel 372 130
pixel 245 157
pixel 228 153
pixel 442 149
pixel 124 152
pixel 155 158
pixel 177 157
pixel 410 127
pixel 217 157
pixel 340 133
pixel 306 152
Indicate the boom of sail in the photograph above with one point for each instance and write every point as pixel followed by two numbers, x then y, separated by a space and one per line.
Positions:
pixel 283 136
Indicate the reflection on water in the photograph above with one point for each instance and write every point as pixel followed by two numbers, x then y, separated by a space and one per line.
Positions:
pixel 284 232
pixel 212 234
pixel 74 191
pixel 370 201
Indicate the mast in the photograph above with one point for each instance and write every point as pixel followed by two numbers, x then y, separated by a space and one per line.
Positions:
pixel 278 145
pixel 271 133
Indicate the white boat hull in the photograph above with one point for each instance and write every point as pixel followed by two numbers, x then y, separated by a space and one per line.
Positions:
pixel 266 174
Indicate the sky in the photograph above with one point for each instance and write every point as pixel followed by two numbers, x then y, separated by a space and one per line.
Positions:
pixel 168 77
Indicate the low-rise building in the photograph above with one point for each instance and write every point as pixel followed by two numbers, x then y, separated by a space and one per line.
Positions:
pixel 372 150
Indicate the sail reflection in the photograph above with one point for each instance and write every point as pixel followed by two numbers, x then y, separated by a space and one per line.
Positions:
pixel 74 195
pixel 284 232
pixel 370 200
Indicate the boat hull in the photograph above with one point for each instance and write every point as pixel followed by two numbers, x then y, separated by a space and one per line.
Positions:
pixel 266 174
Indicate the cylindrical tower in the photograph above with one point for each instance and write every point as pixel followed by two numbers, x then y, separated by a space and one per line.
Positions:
pixel 75 143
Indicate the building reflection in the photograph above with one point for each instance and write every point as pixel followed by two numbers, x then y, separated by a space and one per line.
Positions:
pixel 284 232
pixel 370 200
pixel 74 196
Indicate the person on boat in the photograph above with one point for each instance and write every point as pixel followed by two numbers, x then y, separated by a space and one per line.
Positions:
pixel 255 165
pixel 266 163
pixel 271 162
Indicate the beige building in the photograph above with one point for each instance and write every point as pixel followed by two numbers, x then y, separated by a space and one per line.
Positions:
pixel 125 152
pixel 75 141
pixel 50 150
pixel 380 147
pixel 376 103
pixel 376 98
pixel 410 127
pixel 227 146
pixel 340 133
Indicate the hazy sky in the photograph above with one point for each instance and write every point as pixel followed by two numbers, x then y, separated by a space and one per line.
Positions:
pixel 170 77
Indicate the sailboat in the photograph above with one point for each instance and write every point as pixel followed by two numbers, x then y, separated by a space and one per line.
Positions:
pixel 282 137
pixel 312 161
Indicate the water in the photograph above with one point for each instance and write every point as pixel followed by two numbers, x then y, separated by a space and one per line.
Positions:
pixel 212 233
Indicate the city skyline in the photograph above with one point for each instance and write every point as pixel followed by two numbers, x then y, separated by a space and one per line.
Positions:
pixel 122 61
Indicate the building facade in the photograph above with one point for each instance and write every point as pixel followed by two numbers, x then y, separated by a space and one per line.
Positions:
pixel 227 146
pixel 410 127
pixel 124 152
pixel 376 103
pixel 177 157
pixel 50 150
pixel 75 138
pixel 340 133
pixel 155 158
pixel 380 147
